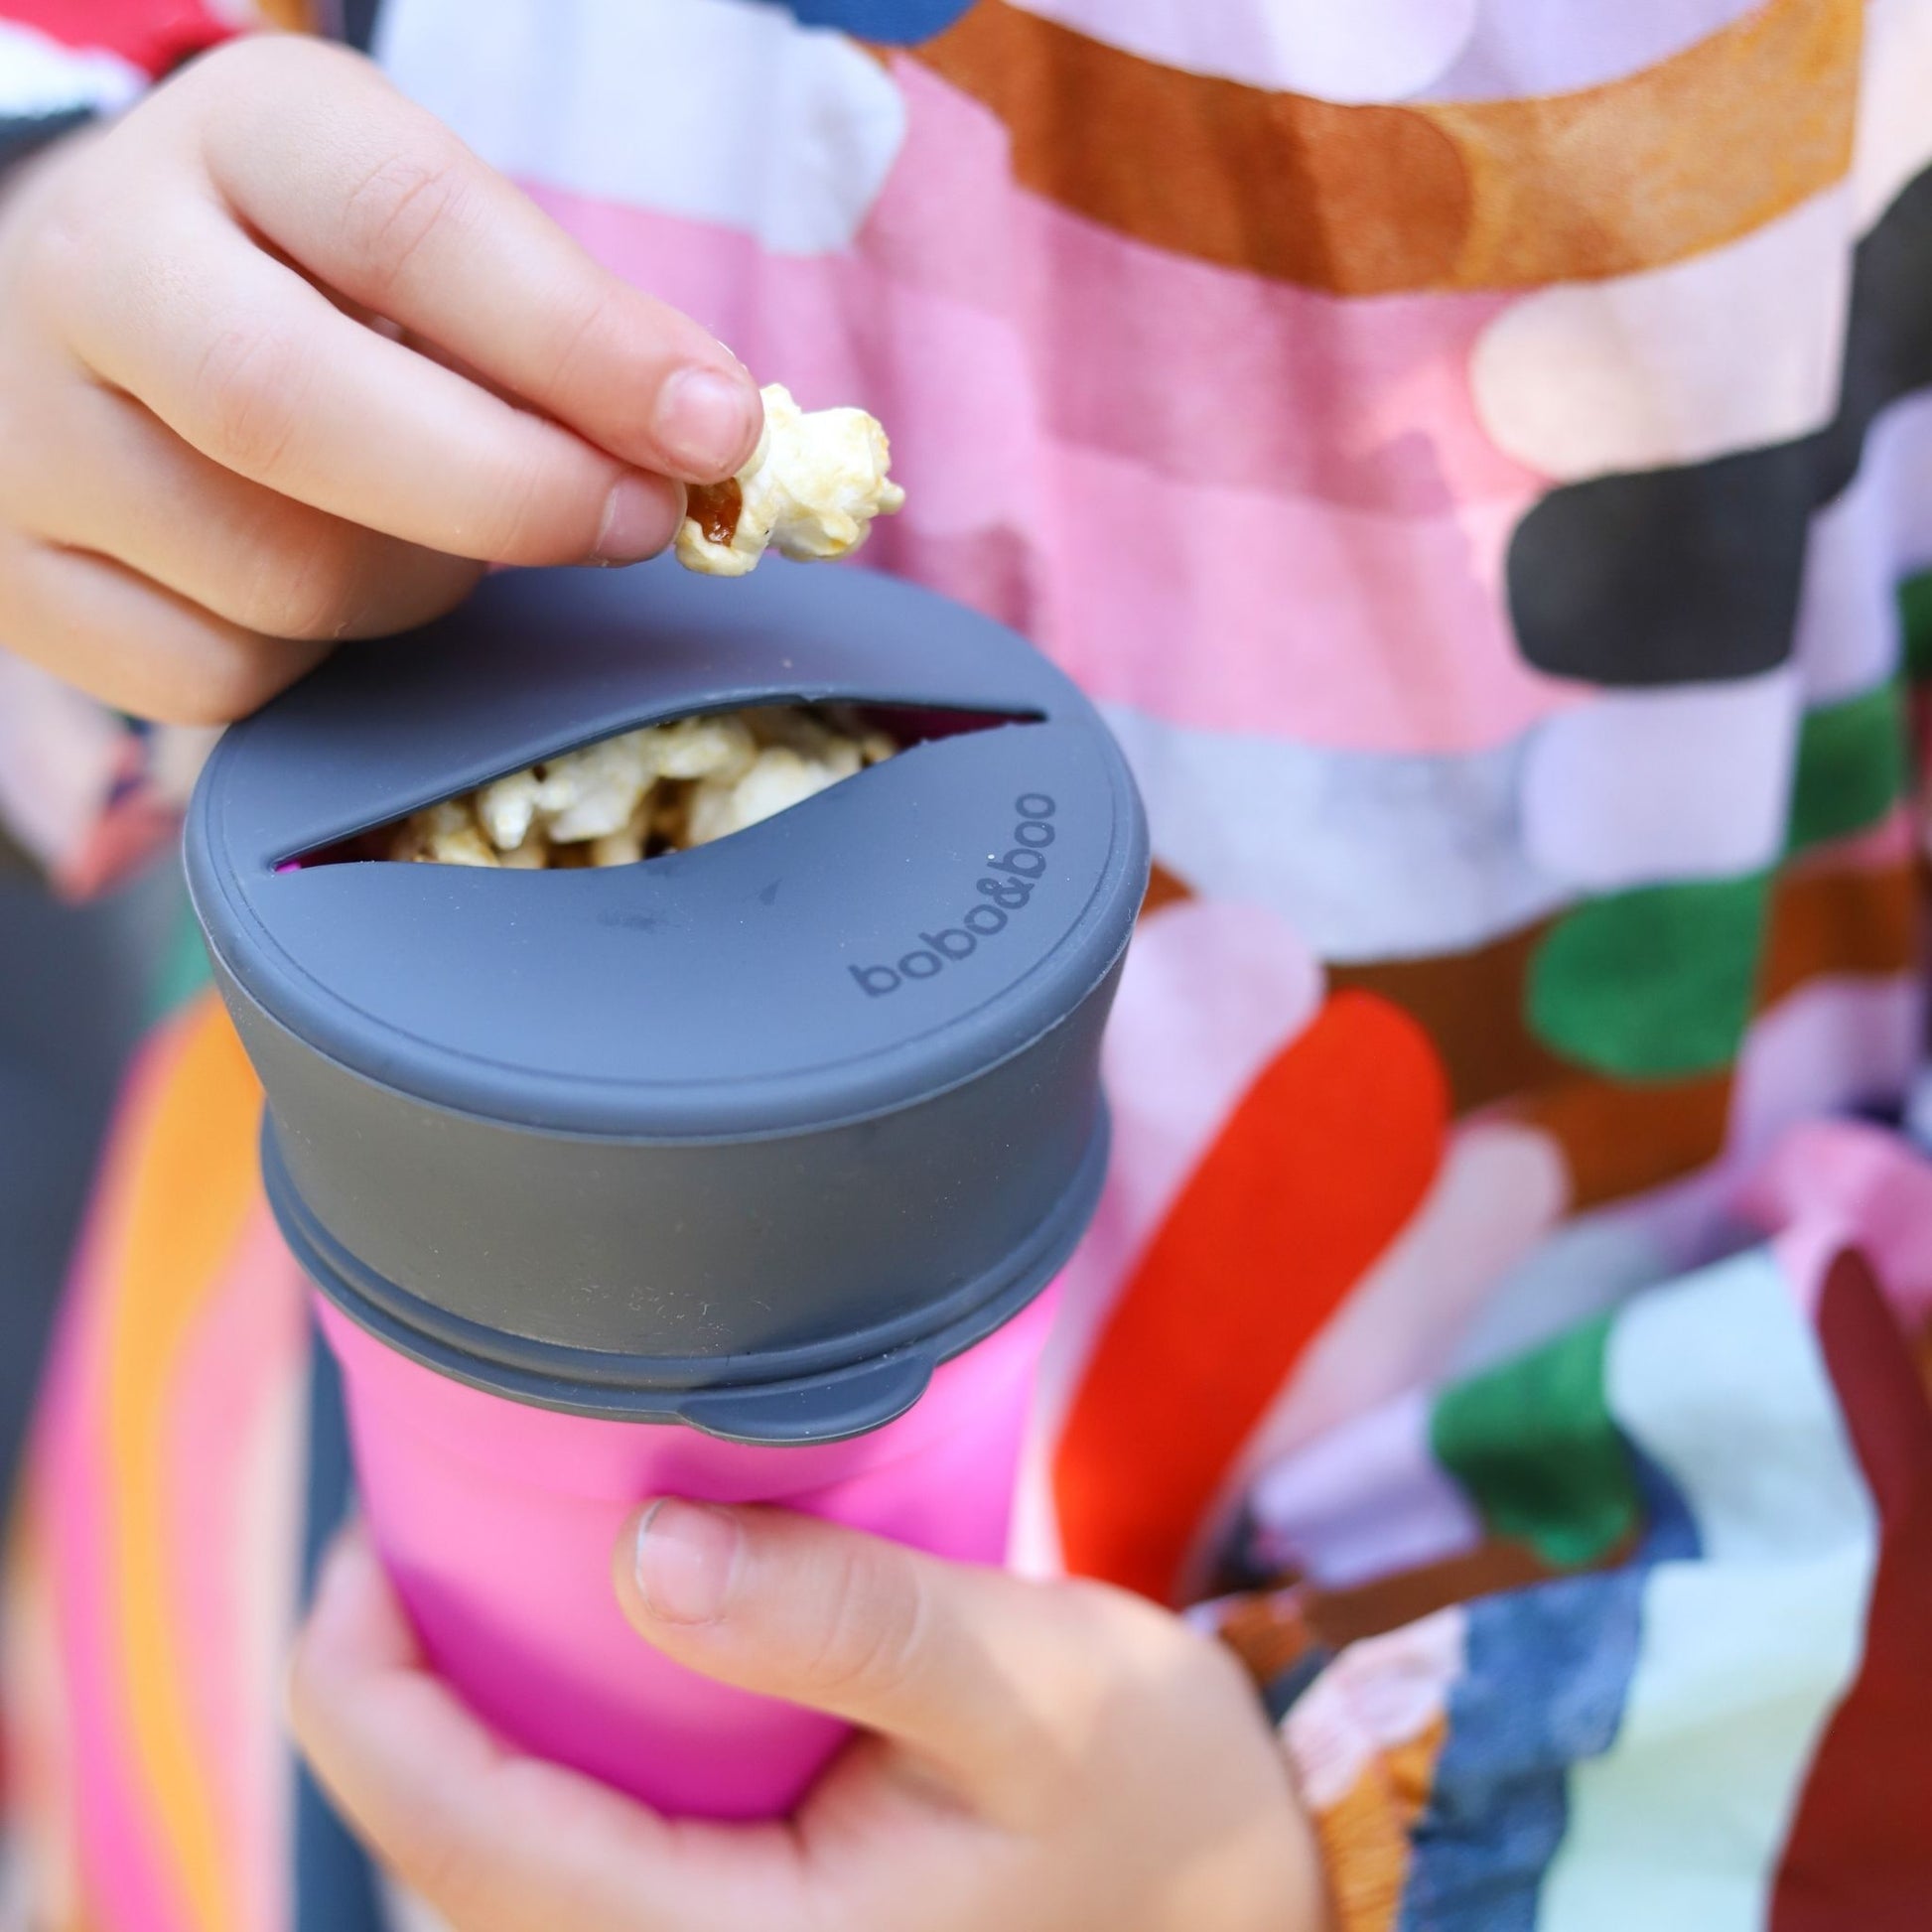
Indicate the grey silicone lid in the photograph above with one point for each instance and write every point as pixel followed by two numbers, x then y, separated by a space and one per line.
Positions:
pixel 750 1135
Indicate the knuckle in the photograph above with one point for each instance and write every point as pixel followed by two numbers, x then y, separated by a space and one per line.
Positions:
pixel 404 199
pixel 61 247
pixel 247 397
pixel 436 1860
pixel 229 682
pixel 311 591
pixel 580 338
pixel 530 515
pixel 873 1630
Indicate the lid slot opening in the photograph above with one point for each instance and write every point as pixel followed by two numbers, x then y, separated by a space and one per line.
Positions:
pixel 635 795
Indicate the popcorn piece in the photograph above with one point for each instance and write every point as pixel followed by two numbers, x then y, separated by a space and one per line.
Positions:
pixel 509 808
pixel 533 854
pixel 812 487
pixel 702 748
pixel 781 778
pixel 590 795
pixel 446 833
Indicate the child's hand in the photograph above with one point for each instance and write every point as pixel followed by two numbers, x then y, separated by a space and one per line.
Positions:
pixel 1048 1758
pixel 281 362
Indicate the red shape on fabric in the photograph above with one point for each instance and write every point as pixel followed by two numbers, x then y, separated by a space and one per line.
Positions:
pixel 1315 1171
pixel 1860 1850
pixel 155 35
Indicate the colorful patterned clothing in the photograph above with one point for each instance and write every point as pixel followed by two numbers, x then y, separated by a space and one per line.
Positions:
pixel 1478 455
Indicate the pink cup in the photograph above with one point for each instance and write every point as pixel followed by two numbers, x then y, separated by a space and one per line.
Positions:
pixel 496 1522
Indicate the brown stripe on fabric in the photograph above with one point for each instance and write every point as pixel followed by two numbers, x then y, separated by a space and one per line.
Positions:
pixel 1473 1006
pixel 1676 159
pixel 1615 1139
pixel 1845 922
pixel 1163 888
pixel 1268 1630
pixel 1619 1140
pixel 1338 1617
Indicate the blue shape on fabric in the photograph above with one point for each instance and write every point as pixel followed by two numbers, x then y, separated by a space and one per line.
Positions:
pixel 1543 1687
pixel 900 23
pixel 336 1887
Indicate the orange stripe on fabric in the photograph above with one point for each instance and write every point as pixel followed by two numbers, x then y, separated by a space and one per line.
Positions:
pixel 1315 1173
pixel 294 16
pixel 190 1200
pixel 1664 164
pixel 1364 1837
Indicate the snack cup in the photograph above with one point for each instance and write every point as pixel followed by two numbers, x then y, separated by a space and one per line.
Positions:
pixel 738 1174
pixel 498 1521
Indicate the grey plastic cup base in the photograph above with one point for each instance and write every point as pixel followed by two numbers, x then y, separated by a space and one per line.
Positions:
pixel 771 1399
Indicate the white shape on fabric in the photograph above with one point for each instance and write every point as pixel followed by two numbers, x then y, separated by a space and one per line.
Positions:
pixel 1366 1500
pixel 1894 134
pixel 39 76
pixel 1335 49
pixel 1734 349
pixel 1848 635
pixel 1377 1696
pixel 1524 48
pixel 1366 855
pixel 1641 787
pixel 1835 1044
pixel 716 110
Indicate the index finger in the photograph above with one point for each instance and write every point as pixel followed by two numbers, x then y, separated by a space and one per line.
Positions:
pixel 389 207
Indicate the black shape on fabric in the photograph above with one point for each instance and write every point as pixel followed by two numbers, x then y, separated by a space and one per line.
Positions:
pixel 21 134
pixel 1680 575
pixel 358 22
pixel 1668 576
pixel 335 1883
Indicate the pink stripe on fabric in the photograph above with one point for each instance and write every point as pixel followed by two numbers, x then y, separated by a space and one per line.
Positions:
pixel 1235 611
pixel 1223 608
pixel 235 1365
pixel 1857 1185
pixel 127 1881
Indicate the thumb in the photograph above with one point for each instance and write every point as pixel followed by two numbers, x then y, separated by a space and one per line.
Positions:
pixel 958 1663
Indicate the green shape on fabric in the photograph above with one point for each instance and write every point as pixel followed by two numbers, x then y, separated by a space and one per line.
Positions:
pixel 1654 984
pixel 1534 1444
pixel 1852 767
pixel 1915 620
pixel 183 969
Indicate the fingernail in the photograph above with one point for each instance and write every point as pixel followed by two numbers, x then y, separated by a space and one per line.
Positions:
pixel 686 1554
pixel 640 519
pixel 704 420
